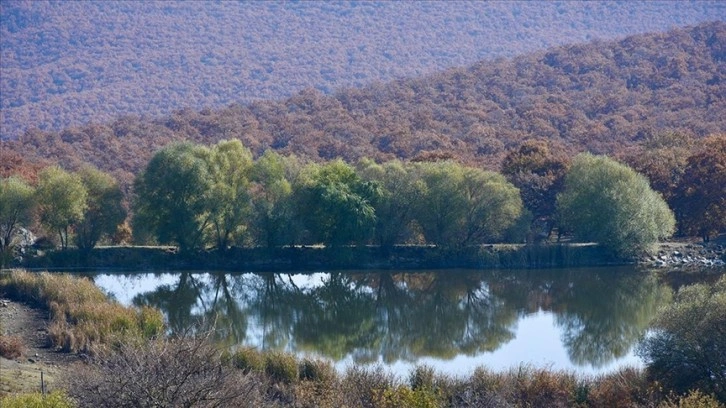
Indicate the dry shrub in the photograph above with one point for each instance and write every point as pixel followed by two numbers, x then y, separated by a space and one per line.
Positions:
pixel 186 371
pixel 627 387
pixel 11 347
pixel 402 396
pixel 318 386
pixel 541 387
pixel 281 367
pixel 694 399
pixel 248 359
pixel 361 386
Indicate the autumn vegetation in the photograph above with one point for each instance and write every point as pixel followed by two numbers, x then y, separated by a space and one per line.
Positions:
pixel 68 64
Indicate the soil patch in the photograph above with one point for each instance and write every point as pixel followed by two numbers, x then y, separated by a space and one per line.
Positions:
pixel 23 374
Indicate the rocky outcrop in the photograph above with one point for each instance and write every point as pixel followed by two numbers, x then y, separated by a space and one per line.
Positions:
pixel 687 255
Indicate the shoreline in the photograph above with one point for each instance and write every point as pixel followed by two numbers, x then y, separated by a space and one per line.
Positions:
pixel 685 255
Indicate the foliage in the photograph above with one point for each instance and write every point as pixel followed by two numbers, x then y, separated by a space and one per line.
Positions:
pixel 229 204
pixel 538 171
pixel 62 200
pixel 607 202
pixel 462 205
pixel 271 190
pixel 336 205
pixel 396 200
pixel 56 399
pixel 354 45
pixel 700 198
pixel 662 158
pixel 173 194
pixel 16 205
pixel 685 350
pixel 104 208
pixel 603 97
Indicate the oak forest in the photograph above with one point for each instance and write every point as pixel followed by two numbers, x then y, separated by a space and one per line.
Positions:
pixel 320 140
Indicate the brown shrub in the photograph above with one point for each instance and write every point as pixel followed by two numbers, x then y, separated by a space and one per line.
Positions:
pixel 11 347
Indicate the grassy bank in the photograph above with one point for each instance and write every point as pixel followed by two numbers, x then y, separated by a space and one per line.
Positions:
pixel 339 258
pixel 82 317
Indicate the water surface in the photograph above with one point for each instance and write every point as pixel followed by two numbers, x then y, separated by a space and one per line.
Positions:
pixel 583 320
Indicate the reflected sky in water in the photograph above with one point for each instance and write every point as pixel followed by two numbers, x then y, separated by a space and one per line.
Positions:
pixel 584 320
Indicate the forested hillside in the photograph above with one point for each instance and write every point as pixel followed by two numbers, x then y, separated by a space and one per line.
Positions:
pixel 601 96
pixel 74 62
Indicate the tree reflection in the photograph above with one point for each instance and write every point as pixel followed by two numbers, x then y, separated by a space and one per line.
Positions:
pixel 605 317
pixel 196 300
pixel 407 316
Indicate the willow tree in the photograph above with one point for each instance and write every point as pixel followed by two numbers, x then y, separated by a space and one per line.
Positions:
pixel 335 204
pixel 61 199
pixel 104 208
pixel 229 206
pixel 16 206
pixel 609 203
pixel 396 201
pixel 272 222
pixel 461 206
pixel 172 194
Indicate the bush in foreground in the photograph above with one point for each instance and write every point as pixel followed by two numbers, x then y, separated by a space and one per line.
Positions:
pixel 171 372
pixel 687 349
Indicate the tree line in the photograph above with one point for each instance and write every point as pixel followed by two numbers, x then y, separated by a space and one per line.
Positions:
pixel 199 197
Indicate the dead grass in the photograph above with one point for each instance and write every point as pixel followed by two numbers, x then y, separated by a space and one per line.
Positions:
pixel 82 315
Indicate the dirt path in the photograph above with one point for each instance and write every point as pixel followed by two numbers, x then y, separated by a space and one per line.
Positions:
pixel 23 374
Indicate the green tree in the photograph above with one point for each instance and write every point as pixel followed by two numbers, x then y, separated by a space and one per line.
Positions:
pixel 62 200
pixel 271 190
pixel 700 199
pixel 685 350
pixel 172 194
pixel 441 210
pixel 104 208
pixel 336 205
pixel 16 209
pixel 492 205
pixel 229 204
pixel 464 206
pixel 397 198
pixel 609 203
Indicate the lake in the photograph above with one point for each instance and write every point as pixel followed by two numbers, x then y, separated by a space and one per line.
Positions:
pixel 583 320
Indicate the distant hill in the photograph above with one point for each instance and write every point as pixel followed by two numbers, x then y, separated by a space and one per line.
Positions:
pixel 601 96
pixel 73 62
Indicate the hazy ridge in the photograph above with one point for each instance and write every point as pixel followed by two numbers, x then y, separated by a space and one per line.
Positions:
pixel 69 63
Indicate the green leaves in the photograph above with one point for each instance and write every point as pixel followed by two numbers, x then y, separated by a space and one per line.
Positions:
pixel 686 348
pixel 61 198
pixel 16 206
pixel 173 194
pixel 609 203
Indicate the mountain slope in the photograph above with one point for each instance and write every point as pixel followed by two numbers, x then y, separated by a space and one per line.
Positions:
pixel 600 96
pixel 69 63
